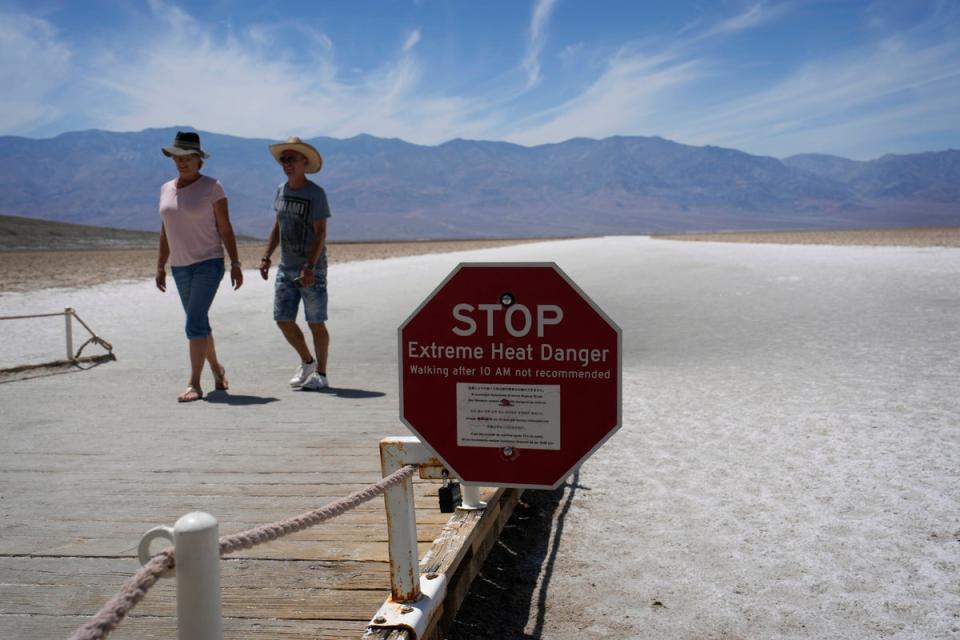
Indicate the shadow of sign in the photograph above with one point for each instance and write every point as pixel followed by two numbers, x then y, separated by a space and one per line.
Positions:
pixel 504 599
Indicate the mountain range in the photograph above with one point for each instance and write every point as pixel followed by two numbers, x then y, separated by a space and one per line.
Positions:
pixel 385 189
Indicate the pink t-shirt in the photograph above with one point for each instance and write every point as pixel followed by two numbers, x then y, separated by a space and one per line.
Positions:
pixel 189 220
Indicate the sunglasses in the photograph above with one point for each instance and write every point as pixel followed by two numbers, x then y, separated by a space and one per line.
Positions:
pixel 287 159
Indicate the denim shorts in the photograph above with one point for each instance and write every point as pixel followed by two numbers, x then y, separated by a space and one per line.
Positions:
pixel 197 284
pixel 287 296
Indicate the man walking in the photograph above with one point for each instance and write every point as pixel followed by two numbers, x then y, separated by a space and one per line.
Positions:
pixel 300 229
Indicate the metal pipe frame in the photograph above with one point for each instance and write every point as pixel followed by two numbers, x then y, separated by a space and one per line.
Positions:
pixel 396 453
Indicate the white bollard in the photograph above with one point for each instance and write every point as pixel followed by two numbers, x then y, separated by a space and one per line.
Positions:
pixel 471 498
pixel 68 316
pixel 196 542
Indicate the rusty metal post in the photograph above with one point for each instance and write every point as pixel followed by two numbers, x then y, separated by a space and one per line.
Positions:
pixel 396 453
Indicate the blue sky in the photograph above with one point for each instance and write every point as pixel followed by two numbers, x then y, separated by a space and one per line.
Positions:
pixel 848 77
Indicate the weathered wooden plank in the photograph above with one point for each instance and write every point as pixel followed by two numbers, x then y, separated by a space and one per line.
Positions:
pixel 126 534
pixel 332 550
pixel 291 603
pixel 164 628
pixel 84 573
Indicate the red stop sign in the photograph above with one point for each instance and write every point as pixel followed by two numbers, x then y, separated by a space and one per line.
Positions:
pixel 511 374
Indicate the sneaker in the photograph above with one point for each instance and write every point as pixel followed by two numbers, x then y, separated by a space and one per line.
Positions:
pixel 316 382
pixel 303 373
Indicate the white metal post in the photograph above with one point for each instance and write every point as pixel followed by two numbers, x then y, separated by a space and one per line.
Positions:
pixel 197 542
pixel 471 497
pixel 68 317
pixel 195 538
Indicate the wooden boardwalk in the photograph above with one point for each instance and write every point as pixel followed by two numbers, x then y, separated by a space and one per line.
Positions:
pixel 324 582
pixel 90 460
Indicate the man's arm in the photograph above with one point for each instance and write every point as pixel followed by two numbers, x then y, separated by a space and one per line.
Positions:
pixel 272 241
pixel 319 241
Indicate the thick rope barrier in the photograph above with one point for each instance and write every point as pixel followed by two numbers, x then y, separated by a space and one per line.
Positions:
pixel 130 594
pixel 94 338
pixel 136 587
pixel 35 315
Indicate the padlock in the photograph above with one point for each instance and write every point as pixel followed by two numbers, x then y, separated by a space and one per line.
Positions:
pixel 449 495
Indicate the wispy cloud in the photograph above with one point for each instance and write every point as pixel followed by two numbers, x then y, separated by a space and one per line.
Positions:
pixel 412 39
pixel 841 102
pixel 286 77
pixel 253 84
pixel 851 101
pixel 34 63
pixel 632 86
pixel 752 17
pixel 639 84
pixel 537 39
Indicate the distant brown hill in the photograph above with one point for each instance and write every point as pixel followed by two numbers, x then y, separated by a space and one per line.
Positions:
pixel 23 234
pixel 30 234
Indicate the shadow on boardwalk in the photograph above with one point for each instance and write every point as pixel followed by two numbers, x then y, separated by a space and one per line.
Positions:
pixel 510 594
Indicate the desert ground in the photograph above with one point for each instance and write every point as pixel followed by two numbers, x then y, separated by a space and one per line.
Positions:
pixel 31 270
pixel 786 465
pixel 915 237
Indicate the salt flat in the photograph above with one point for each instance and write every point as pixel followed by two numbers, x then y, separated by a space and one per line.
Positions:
pixel 789 463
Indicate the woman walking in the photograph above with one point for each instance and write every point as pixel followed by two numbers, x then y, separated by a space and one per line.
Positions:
pixel 195 229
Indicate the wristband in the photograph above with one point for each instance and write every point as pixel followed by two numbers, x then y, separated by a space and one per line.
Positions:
pixel 235 263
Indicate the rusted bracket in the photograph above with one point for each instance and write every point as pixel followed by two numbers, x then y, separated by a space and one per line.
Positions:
pixel 414 617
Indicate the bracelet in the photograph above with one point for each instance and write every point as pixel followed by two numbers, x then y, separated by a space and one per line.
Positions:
pixel 235 263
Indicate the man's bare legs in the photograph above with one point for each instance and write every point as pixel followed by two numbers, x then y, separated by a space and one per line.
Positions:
pixel 321 342
pixel 294 336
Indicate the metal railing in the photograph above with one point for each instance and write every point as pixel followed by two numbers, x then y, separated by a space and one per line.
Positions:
pixel 69 314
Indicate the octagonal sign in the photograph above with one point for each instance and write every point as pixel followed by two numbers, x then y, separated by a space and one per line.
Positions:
pixel 511 374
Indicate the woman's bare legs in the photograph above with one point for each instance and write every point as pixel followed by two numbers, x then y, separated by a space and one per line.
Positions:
pixel 202 350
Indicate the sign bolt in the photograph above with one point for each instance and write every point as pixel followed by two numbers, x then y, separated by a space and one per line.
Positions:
pixel 506 298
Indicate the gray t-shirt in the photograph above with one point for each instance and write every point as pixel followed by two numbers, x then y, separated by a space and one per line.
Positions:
pixel 297 209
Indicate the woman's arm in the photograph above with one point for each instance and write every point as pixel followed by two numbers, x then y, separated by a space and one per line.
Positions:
pixel 225 229
pixel 162 254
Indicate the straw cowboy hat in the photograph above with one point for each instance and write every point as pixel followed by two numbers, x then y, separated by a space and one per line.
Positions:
pixel 184 144
pixel 293 143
